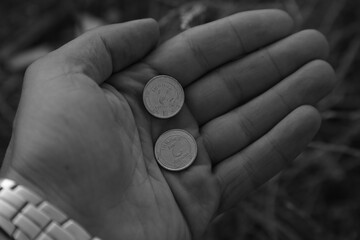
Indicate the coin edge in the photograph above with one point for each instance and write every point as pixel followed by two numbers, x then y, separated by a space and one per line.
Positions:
pixel 186 166
pixel 181 105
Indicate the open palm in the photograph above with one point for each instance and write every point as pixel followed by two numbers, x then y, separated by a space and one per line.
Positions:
pixel 83 139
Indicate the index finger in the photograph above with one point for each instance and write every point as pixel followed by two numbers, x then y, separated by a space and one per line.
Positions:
pixel 198 50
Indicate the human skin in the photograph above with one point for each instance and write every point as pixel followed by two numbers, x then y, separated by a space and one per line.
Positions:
pixel 84 141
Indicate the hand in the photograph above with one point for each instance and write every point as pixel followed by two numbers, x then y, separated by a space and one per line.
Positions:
pixel 84 141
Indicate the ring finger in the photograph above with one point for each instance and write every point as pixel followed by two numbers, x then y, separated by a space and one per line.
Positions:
pixel 236 129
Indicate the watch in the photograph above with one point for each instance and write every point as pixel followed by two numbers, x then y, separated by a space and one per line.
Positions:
pixel 24 215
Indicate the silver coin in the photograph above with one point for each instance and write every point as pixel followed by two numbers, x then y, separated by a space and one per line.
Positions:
pixel 175 150
pixel 163 96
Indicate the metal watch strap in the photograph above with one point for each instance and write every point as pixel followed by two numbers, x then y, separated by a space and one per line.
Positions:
pixel 26 216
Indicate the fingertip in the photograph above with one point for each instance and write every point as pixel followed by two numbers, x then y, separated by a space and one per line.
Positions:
pixel 278 18
pixel 323 73
pixel 151 25
pixel 317 42
pixel 309 117
pixel 151 21
pixel 283 17
pixel 328 72
pixel 147 30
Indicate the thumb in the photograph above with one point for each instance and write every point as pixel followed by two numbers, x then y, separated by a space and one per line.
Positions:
pixel 98 53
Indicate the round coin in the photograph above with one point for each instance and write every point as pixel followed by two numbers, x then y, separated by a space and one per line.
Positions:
pixel 163 96
pixel 175 150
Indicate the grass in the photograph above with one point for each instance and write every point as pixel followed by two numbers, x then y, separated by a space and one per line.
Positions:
pixel 318 196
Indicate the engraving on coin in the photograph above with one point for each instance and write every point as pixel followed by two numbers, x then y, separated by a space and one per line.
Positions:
pixel 175 150
pixel 163 96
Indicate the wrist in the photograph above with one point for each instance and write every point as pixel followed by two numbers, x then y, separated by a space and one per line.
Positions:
pixel 25 215
pixel 4 236
pixel 50 192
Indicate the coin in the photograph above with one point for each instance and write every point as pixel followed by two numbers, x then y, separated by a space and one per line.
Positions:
pixel 163 96
pixel 175 150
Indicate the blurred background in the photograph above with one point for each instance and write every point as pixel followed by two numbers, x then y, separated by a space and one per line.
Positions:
pixel 318 196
